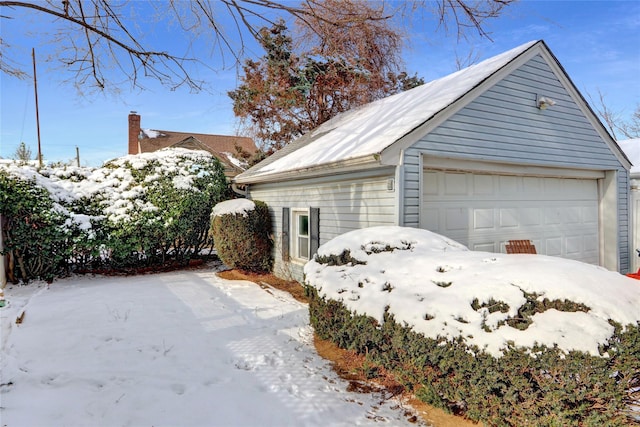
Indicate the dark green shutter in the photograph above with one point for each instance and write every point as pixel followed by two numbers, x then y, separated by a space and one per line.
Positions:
pixel 314 230
pixel 285 234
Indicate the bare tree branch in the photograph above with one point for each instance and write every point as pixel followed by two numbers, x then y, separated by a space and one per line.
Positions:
pixel 608 117
pixel 613 120
pixel 631 129
pixel 465 15
pixel 471 58
pixel 112 41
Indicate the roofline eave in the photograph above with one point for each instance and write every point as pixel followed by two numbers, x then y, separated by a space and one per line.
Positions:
pixel 350 165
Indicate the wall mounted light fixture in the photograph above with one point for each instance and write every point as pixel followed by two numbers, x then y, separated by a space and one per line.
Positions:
pixel 544 102
pixel 391 184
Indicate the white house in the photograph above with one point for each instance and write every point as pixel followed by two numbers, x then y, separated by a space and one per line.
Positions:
pixel 505 149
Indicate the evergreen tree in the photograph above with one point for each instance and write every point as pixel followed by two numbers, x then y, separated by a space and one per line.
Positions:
pixel 285 94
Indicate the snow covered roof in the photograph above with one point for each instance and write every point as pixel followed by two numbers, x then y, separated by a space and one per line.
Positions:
pixel 221 146
pixel 631 148
pixel 367 131
pixel 157 139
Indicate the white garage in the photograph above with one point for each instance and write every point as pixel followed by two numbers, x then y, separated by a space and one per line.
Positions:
pixel 484 209
pixel 479 156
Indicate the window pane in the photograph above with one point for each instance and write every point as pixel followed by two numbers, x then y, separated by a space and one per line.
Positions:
pixel 303 225
pixel 303 247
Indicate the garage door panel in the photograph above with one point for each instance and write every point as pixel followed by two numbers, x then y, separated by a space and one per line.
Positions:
pixel 577 186
pixel 431 183
pixel 484 211
pixel 553 246
pixel 485 247
pixel 552 216
pixel 553 190
pixel 507 184
pixel 457 219
pixel 575 245
pixel 591 244
pixel 483 184
pixel 532 185
pixel 455 184
pixel 483 219
pixel 530 216
pixel 590 215
pixel 431 218
pixel 509 218
pixel 573 215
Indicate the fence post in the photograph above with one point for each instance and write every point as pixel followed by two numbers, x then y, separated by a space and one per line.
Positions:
pixel 3 275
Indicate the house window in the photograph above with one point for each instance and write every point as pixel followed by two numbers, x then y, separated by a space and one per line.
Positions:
pixel 301 234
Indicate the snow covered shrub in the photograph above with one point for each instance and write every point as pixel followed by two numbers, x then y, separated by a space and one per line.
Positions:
pixel 135 211
pixel 510 340
pixel 551 388
pixel 242 234
pixel 86 223
pixel 70 236
pixel 158 205
pixel 34 232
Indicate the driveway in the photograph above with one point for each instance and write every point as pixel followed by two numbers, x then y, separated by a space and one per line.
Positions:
pixel 185 348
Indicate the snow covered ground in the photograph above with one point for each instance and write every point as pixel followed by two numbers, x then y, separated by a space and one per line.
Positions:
pixel 188 348
pixel 185 348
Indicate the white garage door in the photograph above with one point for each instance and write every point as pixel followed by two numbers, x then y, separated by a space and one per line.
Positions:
pixel 483 211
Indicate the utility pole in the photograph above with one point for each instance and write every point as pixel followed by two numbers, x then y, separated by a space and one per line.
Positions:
pixel 35 88
pixel 77 156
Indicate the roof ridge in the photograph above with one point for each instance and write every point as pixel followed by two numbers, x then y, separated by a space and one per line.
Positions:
pixel 196 133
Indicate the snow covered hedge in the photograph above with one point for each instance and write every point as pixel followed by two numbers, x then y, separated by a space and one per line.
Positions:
pixel 137 210
pixel 505 339
pixel 35 230
pixel 242 232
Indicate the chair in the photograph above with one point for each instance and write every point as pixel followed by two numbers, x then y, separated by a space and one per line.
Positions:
pixel 520 247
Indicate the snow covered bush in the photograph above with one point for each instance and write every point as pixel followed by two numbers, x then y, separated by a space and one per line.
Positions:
pixel 137 210
pixel 503 339
pixel 34 233
pixel 158 204
pixel 242 234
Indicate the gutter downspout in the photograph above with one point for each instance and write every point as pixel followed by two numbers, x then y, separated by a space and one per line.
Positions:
pixel 399 177
pixel 244 193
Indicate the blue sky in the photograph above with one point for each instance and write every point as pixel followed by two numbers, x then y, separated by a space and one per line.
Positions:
pixel 597 42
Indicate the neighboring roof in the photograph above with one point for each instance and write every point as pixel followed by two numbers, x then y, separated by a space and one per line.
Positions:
pixel 631 148
pixel 221 146
pixel 364 135
pixel 157 139
pixel 368 130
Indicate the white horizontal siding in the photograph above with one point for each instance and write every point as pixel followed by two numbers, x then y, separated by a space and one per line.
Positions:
pixel 347 202
pixel 504 125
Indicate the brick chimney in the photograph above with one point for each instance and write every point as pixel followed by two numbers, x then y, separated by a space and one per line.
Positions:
pixel 134 131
